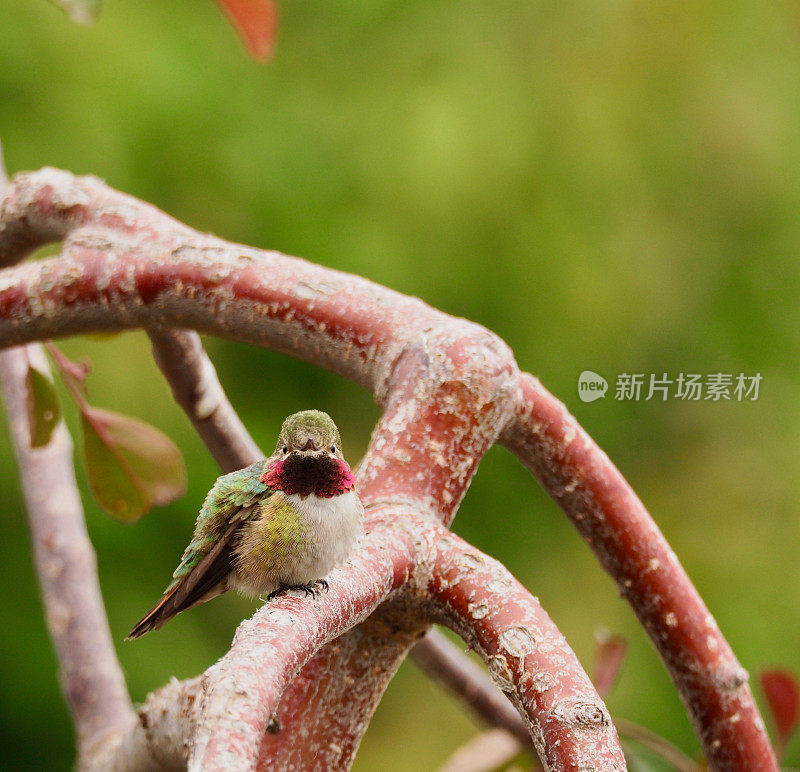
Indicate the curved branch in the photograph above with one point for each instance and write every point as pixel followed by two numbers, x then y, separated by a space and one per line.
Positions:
pixel 328 706
pixel 438 409
pixel 190 373
pixel 225 435
pixel 65 561
pixel 125 264
pixel 527 657
pixel 434 654
pixel 444 662
pixel 242 691
pixel 448 387
pixel 629 545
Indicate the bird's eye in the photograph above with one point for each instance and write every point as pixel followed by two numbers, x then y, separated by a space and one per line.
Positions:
pixel 285 449
pixel 333 448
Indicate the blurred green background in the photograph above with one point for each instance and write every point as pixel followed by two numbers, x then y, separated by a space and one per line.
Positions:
pixel 610 186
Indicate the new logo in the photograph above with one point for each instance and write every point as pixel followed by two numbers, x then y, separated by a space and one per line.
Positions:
pixel 591 386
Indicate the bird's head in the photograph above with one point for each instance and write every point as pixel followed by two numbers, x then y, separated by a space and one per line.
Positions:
pixel 308 457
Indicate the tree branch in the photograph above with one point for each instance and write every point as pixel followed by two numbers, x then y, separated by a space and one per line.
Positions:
pixel 65 562
pixel 196 388
pixel 527 657
pixel 458 674
pixel 629 545
pixel 159 740
pixel 125 264
pixel 242 691
pixel 226 434
pixel 488 751
pixel 191 375
pixel 185 381
pixel 448 387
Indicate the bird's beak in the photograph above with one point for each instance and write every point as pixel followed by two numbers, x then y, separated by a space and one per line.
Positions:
pixel 309 445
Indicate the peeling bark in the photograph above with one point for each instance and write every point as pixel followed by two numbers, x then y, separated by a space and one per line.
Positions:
pixel 243 690
pixel 527 657
pixel 629 545
pixel 449 389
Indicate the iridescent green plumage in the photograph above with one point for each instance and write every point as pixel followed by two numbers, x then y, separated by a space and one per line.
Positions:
pixel 280 523
pixel 231 493
pixel 209 560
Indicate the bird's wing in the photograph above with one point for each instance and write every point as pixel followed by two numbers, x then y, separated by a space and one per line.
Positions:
pixel 208 559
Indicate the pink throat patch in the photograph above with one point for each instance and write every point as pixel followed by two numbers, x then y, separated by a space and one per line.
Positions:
pixel 323 476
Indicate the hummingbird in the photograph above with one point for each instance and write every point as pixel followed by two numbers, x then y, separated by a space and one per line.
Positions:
pixel 280 524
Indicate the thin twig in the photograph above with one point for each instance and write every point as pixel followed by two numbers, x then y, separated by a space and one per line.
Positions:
pixel 196 388
pixel 486 752
pixel 445 663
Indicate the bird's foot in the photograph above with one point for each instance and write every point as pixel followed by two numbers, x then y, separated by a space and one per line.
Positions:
pixel 274 725
pixel 308 589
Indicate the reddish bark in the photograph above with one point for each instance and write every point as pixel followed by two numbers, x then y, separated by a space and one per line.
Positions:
pixel 528 657
pixel 244 688
pixel 422 456
pixel 629 545
pixel 449 388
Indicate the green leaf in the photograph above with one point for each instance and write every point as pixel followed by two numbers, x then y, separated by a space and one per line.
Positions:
pixel 80 11
pixel 131 465
pixel 44 410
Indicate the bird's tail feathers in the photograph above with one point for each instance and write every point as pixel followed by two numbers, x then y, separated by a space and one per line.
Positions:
pixel 206 580
pixel 161 613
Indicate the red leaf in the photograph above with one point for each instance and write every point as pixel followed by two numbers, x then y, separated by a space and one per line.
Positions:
pixel 73 373
pixel 610 653
pixel 256 21
pixel 783 696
